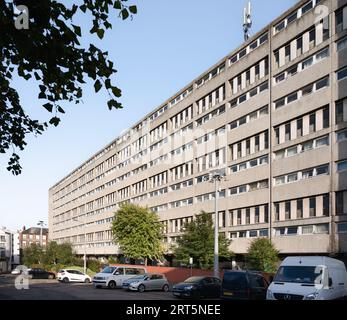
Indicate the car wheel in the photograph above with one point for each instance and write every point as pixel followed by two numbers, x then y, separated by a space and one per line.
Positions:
pixel 66 280
pixel 51 276
pixel 141 288
pixel 112 285
pixel 31 276
pixel 165 288
pixel 86 280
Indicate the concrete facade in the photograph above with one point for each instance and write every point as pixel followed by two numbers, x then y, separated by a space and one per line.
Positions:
pixel 9 250
pixel 272 115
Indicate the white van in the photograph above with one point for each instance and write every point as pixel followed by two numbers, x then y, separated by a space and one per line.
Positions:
pixel 309 278
pixel 113 276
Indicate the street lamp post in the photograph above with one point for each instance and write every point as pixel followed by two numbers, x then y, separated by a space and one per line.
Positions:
pixel 216 177
pixel 84 246
pixel 41 224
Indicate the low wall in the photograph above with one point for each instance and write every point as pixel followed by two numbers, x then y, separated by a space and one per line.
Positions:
pixel 175 275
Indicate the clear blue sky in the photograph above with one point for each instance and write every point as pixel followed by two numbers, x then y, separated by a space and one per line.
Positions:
pixel 168 44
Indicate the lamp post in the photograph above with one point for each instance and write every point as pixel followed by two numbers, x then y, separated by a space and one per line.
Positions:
pixel 84 246
pixel 41 224
pixel 216 177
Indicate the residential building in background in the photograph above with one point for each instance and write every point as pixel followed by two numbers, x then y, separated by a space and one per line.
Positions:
pixel 272 115
pixel 31 236
pixel 9 250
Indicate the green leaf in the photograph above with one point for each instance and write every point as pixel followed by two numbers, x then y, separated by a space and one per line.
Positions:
pixel 125 14
pixel 117 5
pixel 133 9
pixel 42 95
pixel 77 30
pixel 114 104
pixel 97 85
pixel 100 33
pixel 54 121
pixel 48 106
pixel 83 7
pixel 116 91
pixel 60 109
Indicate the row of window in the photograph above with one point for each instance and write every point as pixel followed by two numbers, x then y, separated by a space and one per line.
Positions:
pixel 301 175
pixel 302 43
pixel 297 95
pixel 297 14
pixel 301 66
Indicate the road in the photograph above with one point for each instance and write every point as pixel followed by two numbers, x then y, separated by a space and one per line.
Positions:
pixel 53 290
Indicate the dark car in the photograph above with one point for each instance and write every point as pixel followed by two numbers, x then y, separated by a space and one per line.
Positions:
pixel 244 285
pixel 198 288
pixel 38 273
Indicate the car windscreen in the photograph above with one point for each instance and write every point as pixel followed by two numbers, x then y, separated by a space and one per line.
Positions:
pixel 193 279
pixel 300 274
pixel 108 270
pixel 234 280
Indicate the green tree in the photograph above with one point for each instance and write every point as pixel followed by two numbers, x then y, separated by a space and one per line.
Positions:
pixel 49 53
pixel 32 255
pixel 197 241
pixel 59 254
pixel 138 232
pixel 262 255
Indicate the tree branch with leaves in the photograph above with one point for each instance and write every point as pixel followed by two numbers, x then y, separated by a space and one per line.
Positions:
pixel 49 54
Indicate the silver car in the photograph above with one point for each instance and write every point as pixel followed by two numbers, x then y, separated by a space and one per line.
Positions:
pixel 147 282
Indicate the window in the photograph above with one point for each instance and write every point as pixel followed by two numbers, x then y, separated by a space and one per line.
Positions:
pixel 307 230
pixel 339 20
pixel 342 44
pixel 342 74
pixel 263 233
pixel 340 203
pixel 342 227
pixel 342 166
pixel 312 122
pixel 299 128
pixel 253 234
pixel 326 118
pixel 299 208
pixel 342 136
pixel 312 207
pixel 326 205
pixel 292 151
pixel 277 211
pixel 292 17
pixel 287 132
pixel 307 63
pixel 287 210
pixel 307 7
pixel 339 112
pixel 292 231
pixel 322 170
pixel 322 83
pixel 256 215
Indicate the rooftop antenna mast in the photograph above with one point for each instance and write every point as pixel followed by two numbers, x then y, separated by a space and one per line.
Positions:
pixel 247 20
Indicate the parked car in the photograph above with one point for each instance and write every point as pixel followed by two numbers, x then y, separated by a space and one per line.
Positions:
pixel 37 273
pixel 71 275
pixel 16 271
pixel 147 282
pixel 113 277
pixel 309 278
pixel 244 285
pixel 198 287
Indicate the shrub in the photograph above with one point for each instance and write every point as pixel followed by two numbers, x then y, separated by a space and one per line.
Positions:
pixel 94 265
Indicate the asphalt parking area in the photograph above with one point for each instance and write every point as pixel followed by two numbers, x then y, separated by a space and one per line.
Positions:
pixel 42 289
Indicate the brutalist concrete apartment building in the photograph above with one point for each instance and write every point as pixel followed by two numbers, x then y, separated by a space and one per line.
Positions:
pixel 272 115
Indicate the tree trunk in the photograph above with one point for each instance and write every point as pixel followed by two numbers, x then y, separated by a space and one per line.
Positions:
pixel 145 262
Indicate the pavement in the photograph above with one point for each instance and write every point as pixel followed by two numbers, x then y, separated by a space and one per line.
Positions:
pixel 42 289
